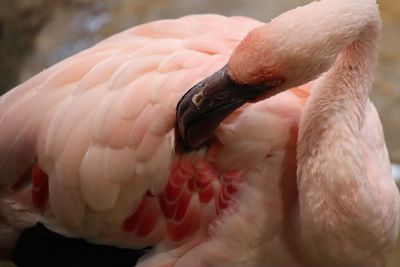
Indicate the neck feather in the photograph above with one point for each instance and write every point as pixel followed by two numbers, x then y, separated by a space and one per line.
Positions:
pixel 334 195
pixel 336 110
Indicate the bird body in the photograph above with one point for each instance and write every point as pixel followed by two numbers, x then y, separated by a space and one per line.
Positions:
pixel 302 178
pixel 100 124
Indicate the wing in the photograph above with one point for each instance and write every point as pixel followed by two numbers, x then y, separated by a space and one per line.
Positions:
pixel 88 140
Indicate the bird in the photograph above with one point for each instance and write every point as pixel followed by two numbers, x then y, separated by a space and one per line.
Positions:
pixel 216 141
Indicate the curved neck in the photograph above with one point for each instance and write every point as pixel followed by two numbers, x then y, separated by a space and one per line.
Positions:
pixel 335 112
pixel 336 109
pixel 332 177
pixel 329 27
pixel 347 85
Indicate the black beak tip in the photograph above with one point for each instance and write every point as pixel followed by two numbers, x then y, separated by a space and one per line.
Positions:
pixel 207 104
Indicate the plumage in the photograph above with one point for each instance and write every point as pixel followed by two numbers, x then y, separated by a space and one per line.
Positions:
pixel 99 128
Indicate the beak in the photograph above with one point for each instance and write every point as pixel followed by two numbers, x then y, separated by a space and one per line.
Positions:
pixel 208 103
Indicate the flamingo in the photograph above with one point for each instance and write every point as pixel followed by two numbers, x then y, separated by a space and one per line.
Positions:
pixel 274 157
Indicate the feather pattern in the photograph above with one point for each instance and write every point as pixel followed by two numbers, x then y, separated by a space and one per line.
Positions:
pixel 87 146
pixel 100 125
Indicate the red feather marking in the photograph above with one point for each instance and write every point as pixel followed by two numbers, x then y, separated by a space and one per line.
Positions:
pixel 167 209
pixel 183 205
pixel 198 174
pixel 189 225
pixel 132 221
pixel 178 178
pixel 202 166
pixel 176 232
pixel 181 208
pixel 40 187
pixel 206 195
pixel 172 192
pixel 186 166
pixel 231 189
pixel 203 182
pixel 191 185
pixel 149 220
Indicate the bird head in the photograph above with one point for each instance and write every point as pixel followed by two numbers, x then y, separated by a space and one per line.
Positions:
pixel 291 50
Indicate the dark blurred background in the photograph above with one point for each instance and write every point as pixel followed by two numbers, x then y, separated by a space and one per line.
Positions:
pixel 35 34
